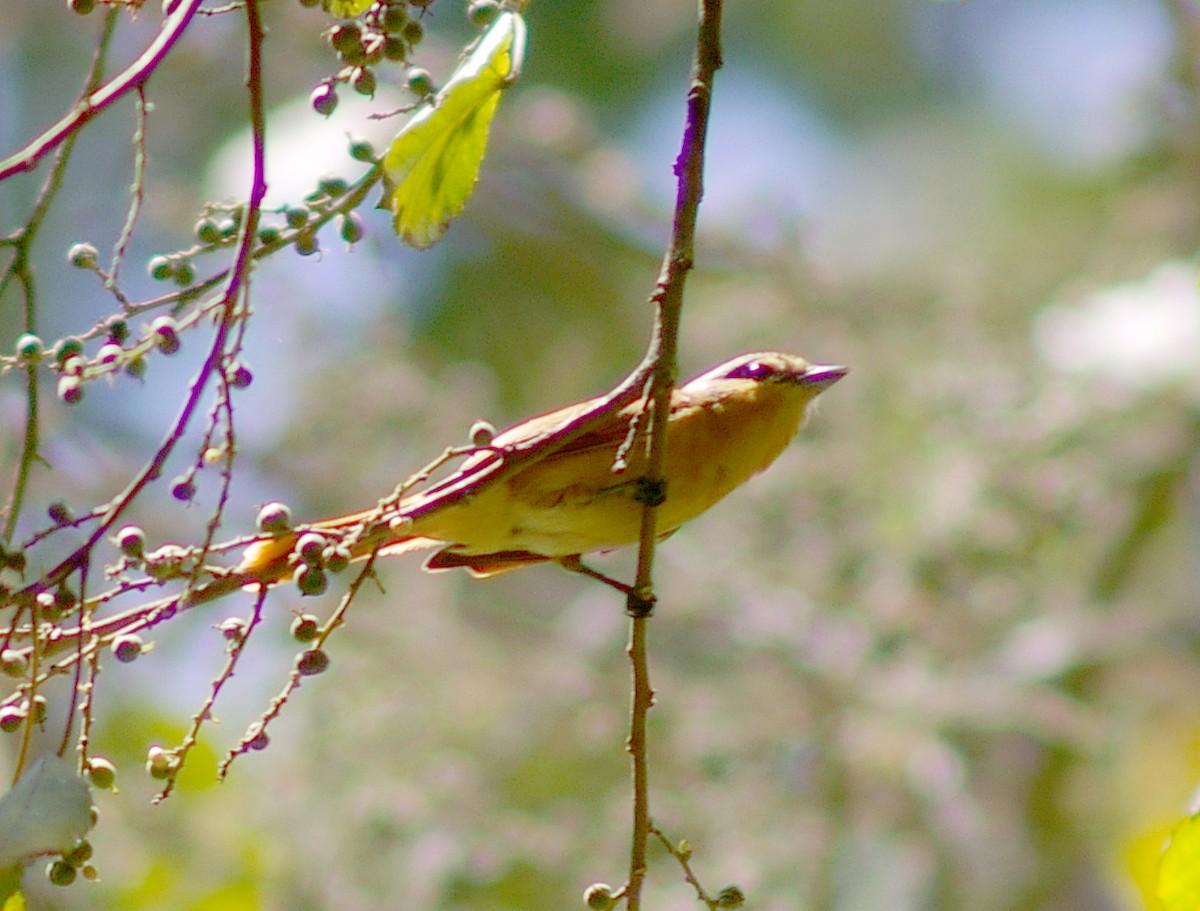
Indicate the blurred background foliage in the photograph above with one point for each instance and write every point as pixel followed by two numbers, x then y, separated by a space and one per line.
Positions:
pixel 943 655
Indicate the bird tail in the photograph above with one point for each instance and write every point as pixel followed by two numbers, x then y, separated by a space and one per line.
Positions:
pixel 270 560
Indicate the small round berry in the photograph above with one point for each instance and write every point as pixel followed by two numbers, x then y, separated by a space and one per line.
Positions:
pixel 413 32
pixel 311 580
pixel 89 872
pixel 68 347
pixel 82 7
pixel 109 353
pixel 65 599
pixel 132 541
pixel 731 897
pixel 118 330
pixel 73 365
pixel 599 897
pixel 228 227
pixel 394 17
pixel 161 268
pixel 102 772
pixel 310 547
pixel 418 81
pixel 38 708
pixel 297 217
pixel 60 873
pixel 268 236
pixel 361 150
pixel 29 348
pixel 332 186
pixel 258 739
pixel 11 718
pixel 83 256
pixel 161 763
pixel 275 519
pixel 305 628
pixel 185 273
pixel 345 37
pixel 482 433
pixel 394 48
pixel 306 243
pixel 324 99
pixel 13 663
pixel 166 334
pixel 60 513
pixel 364 81
pixel 336 558
pixel 136 367
pixel 70 390
pixel 207 231
pixel 80 854
pixel 183 488
pixel 233 629
pixel 314 661
pixel 351 228
pixel 239 375
pixel 127 648
pixel 483 12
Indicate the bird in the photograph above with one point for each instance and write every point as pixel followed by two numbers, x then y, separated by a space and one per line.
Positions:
pixel 510 506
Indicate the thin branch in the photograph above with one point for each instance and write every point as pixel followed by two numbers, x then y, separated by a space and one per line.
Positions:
pixel 668 298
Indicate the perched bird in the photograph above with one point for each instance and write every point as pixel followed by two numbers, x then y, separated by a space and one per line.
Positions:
pixel 508 506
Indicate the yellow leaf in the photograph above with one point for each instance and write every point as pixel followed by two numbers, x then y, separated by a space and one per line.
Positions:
pixel 433 164
pixel 346 9
pixel 1179 869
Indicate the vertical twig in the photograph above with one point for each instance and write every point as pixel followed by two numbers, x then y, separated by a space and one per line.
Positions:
pixel 668 299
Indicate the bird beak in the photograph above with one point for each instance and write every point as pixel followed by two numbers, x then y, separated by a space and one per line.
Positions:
pixel 822 376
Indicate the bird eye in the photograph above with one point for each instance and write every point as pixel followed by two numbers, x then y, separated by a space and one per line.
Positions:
pixel 751 370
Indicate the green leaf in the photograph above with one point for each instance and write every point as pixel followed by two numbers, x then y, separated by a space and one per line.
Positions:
pixel 433 164
pixel 346 9
pixel 1179 868
pixel 46 811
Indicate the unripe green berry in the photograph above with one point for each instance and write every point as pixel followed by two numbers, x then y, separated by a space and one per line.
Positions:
pixel 345 37
pixel 483 12
pixel 413 32
pixel 29 348
pixel 311 580
pixel 60 873
pixel 160 268
pixel 80 854
pixel 394 17
pixel 102 772
pixel 82 7
pixel 418 81
pixel 11 718
pixel 731 897
pixel 351 228
pixel 364 81
pixel 68 347
pixel 185 272
pixel 83 256
pixel 394 48
pixel 305 628
pixel 361 150
pixel 136 367
pixel 332 186
pixel 310 547
pixel 268 235
pixel 336 558
pixel 13 663
pixel 297 217
pixel 207 231
pixel 118 329
pixel 599 897
pixel 275 519
pixel 314 661
pixel 306 243
pixel 38 709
